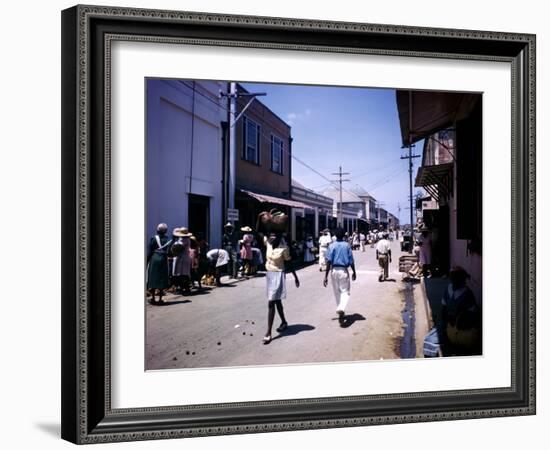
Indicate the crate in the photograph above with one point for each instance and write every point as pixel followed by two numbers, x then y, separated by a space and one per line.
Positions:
pixel 406 262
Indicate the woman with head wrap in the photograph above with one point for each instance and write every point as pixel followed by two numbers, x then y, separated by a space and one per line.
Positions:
pixel 157 263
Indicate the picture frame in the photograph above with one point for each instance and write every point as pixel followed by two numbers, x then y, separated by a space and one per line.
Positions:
pixel 87 35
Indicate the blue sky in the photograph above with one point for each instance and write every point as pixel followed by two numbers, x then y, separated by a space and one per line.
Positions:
pixel 357 128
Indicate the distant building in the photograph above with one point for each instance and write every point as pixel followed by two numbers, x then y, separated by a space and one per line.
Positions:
pixel 353 208
pixel 371 210
pixel 314 217
pixel 184 156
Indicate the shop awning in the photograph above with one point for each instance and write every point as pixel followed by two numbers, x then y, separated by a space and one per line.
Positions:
pixel 422 113
pixel 275 200
pixel 437 180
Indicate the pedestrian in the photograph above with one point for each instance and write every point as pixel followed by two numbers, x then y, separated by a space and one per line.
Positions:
pixel 324 241
pixel 230 242
pixel 217 259
pixel 194 256
pixel 277 261
pixel 339 259
pixel 425 252
pixel 246 250
pixel 383 255
pixel 158 277
pixel 459 328
pixel 355 240
pixel 181 263
pixel 362 241
pixel 308 254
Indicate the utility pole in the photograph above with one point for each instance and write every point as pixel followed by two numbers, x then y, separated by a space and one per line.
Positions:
pixel 410 157
pixel 233 95
pixel 340 210
pixel 399 213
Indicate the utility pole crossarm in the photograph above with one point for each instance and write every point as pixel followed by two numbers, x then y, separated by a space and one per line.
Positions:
pixel 341 209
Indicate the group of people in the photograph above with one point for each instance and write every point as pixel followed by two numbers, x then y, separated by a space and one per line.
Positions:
pixel 180 261
pixel 422 248
pixel 245 254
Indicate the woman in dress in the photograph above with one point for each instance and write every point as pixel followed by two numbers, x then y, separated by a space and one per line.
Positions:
pixel 277 260
pixel 157 264
pixel 459 327
pixel 246 250
pixel 181 264
pixel 308 254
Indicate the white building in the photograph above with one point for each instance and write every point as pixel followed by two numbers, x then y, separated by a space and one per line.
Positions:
pixel 184 156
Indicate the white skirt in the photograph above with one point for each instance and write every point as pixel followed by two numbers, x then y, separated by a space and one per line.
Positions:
pixel 276 285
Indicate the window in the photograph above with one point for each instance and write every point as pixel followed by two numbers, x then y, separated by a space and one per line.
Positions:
pixel 251 141
pixel 276 155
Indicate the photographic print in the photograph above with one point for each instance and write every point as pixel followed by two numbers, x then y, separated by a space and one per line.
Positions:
pixel 298 224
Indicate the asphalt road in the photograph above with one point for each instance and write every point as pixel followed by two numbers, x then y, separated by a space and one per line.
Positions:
pixel 224 326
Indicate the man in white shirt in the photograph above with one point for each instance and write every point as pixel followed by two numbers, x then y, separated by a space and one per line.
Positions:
pixel 383 255
pixel 324 241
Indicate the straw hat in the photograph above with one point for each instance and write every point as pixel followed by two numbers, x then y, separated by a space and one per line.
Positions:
pixel 247 229
pixel 182 232
pixel 228 224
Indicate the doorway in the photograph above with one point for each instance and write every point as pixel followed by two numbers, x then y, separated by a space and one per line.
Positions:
pixel 199 215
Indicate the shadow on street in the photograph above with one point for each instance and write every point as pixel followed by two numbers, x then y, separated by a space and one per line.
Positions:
pixel 293 330
pixel 351 319
pixel 173 302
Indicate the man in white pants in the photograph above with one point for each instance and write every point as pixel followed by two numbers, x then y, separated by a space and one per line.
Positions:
pixel 339 258
pixel 324 241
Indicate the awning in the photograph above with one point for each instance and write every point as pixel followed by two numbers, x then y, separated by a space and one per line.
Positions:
pixel 422 113
pixel 437 180
pixel 276 200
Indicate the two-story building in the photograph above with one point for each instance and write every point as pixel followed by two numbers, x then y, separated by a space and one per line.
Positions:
pixel 264 169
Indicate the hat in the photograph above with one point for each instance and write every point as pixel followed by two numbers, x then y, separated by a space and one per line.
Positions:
pixel 181 232
pixel 247 229
pixel 228 224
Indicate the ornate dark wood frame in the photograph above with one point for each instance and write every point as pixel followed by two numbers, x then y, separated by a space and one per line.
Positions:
pixel 87 33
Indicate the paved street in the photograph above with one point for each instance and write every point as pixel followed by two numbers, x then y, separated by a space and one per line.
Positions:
pixel 224 326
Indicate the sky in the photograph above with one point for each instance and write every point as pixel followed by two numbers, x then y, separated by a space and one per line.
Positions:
pixel 356 128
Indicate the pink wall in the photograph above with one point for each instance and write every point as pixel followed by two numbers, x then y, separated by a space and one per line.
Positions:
pixel 460 256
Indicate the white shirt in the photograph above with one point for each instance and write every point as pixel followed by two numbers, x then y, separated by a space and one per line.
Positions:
pixel 325 240
pixel 383 246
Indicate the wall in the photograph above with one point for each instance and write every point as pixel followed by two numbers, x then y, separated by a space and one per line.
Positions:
pixel 184 156
pixel 30 187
